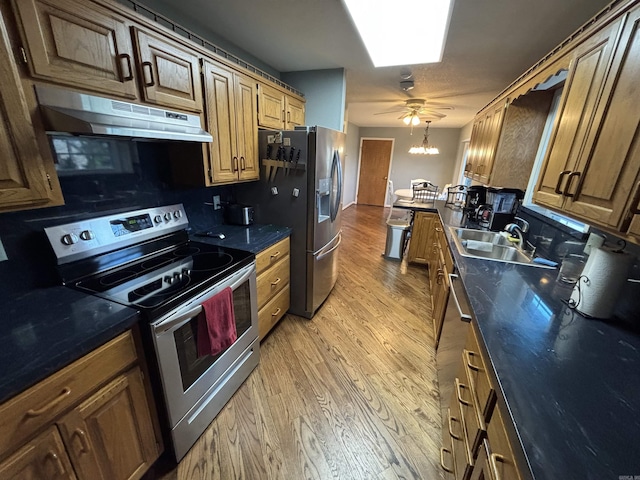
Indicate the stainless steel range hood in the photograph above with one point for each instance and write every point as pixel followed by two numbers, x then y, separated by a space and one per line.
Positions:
pixel 65 111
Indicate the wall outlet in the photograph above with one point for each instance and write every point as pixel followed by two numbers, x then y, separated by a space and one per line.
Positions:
pixel 216 202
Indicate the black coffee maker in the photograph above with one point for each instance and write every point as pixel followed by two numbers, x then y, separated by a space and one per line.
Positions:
pixel 500 208
pixel 476 197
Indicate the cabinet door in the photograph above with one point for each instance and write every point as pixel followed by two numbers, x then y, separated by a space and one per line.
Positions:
pixel 271 107
pixel 295 112
pixel 169 72
pixel 245 93
pixel 493 124
pixel 44 457
pixel 221 113
pixel 110 435
pixel 608 173
pixel 27 179
pixel 474 148
pixel 583 87
pixel 420 232
pixel 440 298
pixel 71 44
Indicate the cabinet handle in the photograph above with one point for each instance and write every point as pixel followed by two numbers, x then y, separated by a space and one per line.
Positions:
pixel 125 56
pixel 569 182
pixel 84 441
pixel 147 67
pixel 439 276
pixel 438 229
pixel 453 435
pixel 277 312
pixel 494 458
pixel 56 460
pixel 235 164
pixel 288 117
pixel 283 117
pixel 276 282
pixel 39 411
pixel 562 174
pixel 636 209
pixel 467 355
pixel 242 164
pixel 444 467
pixel 275 255
pixel 459 387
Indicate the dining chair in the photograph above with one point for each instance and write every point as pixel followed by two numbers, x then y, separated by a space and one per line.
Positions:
pixel 425 192
pixel 456 195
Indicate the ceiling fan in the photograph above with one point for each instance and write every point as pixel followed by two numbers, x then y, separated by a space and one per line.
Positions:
pixel 416 110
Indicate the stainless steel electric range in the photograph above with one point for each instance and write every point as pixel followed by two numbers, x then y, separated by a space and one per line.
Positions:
pixel 144 259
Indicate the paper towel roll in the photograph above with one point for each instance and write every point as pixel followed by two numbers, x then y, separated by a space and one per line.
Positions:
pixel 604 275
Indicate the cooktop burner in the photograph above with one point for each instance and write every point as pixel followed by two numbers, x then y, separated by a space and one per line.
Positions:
pixel 156 280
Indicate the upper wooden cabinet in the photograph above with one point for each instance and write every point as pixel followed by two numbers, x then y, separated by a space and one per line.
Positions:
pixel 278 110
pixel 69 43
pixel 232 117
pixel 27 178
pixel 169 73
pixel 592 170
pixel 485 134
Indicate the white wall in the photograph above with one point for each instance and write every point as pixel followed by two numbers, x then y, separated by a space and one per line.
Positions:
pixel 438 169
pixel 351 165
pixel 325 93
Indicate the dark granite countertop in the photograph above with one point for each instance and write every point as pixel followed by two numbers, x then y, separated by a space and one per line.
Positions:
pixel 253 238
pixel 569 383
pixel 49 328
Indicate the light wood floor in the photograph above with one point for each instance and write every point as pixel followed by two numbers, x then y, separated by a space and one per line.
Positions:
pixel 350 394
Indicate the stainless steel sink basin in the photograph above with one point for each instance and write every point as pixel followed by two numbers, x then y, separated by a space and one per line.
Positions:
pixel 499 250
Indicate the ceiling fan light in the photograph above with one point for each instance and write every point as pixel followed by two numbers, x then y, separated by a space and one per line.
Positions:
pixel 407 120
pixel 415 120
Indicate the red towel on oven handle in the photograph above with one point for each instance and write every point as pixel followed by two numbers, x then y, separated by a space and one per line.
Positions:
pixel 217 324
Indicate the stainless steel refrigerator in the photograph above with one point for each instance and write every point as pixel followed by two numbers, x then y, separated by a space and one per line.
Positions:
pixel 300 187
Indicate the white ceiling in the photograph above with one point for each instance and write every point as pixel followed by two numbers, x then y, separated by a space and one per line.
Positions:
pixel 489 44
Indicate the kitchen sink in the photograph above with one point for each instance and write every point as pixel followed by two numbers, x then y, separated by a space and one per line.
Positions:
pixel 489 246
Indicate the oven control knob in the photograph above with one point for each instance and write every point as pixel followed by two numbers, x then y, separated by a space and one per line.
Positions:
pixel 177 214
pixel 186 271
pixel 69 239
pixel 157 218
pixel 177 276
pixel 167 216
pixel 168 279
pixel 87 235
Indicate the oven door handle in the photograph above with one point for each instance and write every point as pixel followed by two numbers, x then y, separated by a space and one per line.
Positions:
pixel 177 322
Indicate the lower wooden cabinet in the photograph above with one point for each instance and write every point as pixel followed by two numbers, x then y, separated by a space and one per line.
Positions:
pixel 421 231
pixel 106 433
pixel 273 269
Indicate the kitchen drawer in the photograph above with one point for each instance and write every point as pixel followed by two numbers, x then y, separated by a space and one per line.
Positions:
pixel 449 436
pixel 272 280
pixel 500 454
pixel 270 256
pixel 478 377
pixel 38 406
pixel 460 448
pixel 474 429
pixel 273 311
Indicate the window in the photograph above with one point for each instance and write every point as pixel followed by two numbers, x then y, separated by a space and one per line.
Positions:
pixel 91 155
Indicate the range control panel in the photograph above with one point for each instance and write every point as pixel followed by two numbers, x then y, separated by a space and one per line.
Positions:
pixel 74 241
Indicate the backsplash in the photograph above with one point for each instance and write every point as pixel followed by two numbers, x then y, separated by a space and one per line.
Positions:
pixel 31 262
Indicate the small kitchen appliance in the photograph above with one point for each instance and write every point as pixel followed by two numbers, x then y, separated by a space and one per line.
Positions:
pixel 500 208
pixel 237 214
pixel 476 196
pixel 144 259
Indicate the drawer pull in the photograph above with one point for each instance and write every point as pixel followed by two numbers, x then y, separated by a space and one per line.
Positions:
pixel 494 458
pixel 275 255
pixel 276 282
pixel 277 312
pixel 562 174
pixel 459 387
pixel 636 209
pixel 467 355
pixel 39 411
pixel 56 460
pixel 453 435
pixel 84 441
pixel 444 467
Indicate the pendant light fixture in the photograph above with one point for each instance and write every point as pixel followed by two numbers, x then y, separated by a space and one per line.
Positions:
pixel 424 148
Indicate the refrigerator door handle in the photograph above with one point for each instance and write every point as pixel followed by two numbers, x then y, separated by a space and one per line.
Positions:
pixel 336 169
pixel 323 254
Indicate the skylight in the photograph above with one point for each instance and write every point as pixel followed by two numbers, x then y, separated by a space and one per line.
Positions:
pixel 404 32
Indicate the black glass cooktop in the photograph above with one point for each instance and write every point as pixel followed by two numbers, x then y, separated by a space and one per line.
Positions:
pixel 159 281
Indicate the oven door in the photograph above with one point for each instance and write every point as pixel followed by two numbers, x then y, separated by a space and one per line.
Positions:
pixel 186 378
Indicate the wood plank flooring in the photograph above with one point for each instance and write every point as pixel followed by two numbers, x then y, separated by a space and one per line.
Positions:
pixel 350 394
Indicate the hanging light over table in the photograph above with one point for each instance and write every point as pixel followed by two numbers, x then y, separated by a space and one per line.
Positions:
pixel 424 148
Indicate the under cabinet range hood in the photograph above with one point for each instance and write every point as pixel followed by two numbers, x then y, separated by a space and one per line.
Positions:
pixel 65 111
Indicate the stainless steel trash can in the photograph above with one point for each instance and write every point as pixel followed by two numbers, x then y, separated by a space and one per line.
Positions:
pixel 396 240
